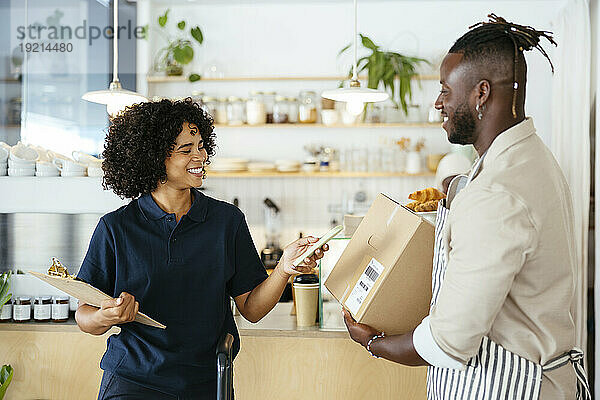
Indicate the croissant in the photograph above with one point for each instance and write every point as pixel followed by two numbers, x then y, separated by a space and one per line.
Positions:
pixel 430 205
pixel 425 195
pixel 412 205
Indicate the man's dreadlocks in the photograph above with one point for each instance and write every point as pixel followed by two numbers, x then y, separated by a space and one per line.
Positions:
pixel 495 38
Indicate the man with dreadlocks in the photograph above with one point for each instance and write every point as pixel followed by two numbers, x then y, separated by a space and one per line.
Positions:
pixel 500 325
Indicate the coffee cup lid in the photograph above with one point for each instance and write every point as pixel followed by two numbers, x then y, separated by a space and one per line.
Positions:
pixel 306 279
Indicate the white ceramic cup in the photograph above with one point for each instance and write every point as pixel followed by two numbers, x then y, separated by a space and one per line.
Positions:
pixel 69 166
pixel 65 174
pixel 4 153
pixel 21 172
pixel 20 152
pixel 94 171
pixel 413 163
pixel 46 167
pixel 21 164
pixel 84 158
pixel 329 117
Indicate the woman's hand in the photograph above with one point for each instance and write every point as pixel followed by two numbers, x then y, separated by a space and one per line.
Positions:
pixel 295 250
pixel 118 311
pixel 360 333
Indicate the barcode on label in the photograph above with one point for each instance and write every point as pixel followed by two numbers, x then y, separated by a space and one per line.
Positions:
pixel 371 273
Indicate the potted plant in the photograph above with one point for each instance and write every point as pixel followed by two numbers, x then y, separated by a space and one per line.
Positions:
pixel 6 372
pixel 179 50
pixel 394 70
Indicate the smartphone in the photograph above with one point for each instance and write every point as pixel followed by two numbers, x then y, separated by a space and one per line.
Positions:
pixel 324 239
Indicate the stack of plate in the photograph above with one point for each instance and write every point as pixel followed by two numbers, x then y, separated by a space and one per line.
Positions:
pixel 4 153
pixel 287 165
pixel 261 167
pixel 228 165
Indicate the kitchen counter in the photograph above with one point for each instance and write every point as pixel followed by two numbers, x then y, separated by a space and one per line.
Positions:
pixel 277 360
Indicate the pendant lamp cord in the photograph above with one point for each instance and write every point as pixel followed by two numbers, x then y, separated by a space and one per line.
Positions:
pixel 116 41
pixel 354 74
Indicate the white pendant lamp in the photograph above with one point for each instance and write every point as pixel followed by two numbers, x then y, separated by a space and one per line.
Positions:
pixel 355 96
pixel 115 97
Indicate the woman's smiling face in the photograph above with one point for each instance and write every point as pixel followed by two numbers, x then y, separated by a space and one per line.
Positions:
pixel 185 165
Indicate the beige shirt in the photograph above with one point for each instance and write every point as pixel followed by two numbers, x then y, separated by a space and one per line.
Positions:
pixel 511 260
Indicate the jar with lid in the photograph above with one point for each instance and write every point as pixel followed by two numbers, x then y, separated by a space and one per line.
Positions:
pixel 197 96
pixel 60 308
pixel 281 110
pixel 307 108
pixel 22 309
pixel 209 104
pixel 269 99
pixel 255 109
pixel 42 308
pixel 292 110
pixel 221 117
pixel 6 311
pixel 235 111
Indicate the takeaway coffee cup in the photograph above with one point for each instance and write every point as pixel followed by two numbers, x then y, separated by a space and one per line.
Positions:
pixel 306 292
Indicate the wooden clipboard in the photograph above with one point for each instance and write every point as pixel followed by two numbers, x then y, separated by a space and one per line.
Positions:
pixel 89 295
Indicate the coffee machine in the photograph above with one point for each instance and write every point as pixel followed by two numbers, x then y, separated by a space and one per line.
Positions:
pixel 272 252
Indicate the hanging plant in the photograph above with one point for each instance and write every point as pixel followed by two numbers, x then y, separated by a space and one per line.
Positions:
pixel 394 70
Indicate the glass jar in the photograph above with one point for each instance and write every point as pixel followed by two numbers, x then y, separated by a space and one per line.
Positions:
pixel 197 96
pixel 255 109
pixel 292 110
pixel 269 100
pixel 235 111
pixel 221 117
pixel 307 108
pixel 42 308
pixel 60 308
pixel 22 309
pixel 209 104
pixel 6 311
pixel 281 110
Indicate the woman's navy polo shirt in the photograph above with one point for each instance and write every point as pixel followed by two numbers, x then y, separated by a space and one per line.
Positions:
pixel 183 275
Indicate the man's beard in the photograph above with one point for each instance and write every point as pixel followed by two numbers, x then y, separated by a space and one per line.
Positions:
pixel 462 127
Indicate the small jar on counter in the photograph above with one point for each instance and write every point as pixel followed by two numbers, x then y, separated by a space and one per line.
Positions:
pixel 307 109
pixel 6 311
pixel 221 117
pixel 255 109
pixel 235 111
pixel 281 111
pixel 210 105
pixel 292 110
pixel 42 308
pixel 60 308
pixel 22 309
pixel 269 99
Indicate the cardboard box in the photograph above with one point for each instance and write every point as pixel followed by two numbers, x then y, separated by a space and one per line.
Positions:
pixel 383 277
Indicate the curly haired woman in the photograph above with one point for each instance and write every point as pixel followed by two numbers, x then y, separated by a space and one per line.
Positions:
pixel 174 252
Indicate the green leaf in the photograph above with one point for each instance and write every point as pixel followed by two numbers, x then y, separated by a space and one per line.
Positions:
pixel 181 25
pixel 183 54
pixel 6 375
pixel 197 34
pixel 344 49
pixel 368 43
pixel 194 77
pixel 162 20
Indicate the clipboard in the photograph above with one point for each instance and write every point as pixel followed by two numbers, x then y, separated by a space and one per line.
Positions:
pixel 89 295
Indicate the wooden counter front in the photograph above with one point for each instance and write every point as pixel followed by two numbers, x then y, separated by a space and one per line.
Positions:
pixel 276 361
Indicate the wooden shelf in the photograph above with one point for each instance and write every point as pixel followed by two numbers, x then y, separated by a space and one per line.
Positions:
pixel 319 126
pixel 10 126
pixel 212 175
pixel 183 78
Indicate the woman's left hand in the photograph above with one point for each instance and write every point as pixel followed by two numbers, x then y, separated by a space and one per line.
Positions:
pixel 295 250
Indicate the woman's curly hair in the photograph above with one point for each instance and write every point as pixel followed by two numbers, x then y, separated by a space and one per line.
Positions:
pixel 140 139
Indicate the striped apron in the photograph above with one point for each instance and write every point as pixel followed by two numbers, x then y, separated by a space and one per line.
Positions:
pixel 494 372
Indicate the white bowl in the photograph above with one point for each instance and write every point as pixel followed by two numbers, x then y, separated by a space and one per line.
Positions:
pixel 4 154
pixel 95 172
pixel 47 173
pixel 72 173
pixel 21 172
pixel 21 153
pixel 429 216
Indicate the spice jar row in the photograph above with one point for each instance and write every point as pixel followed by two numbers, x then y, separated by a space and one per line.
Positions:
pixel 261 108
pixel 39 308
